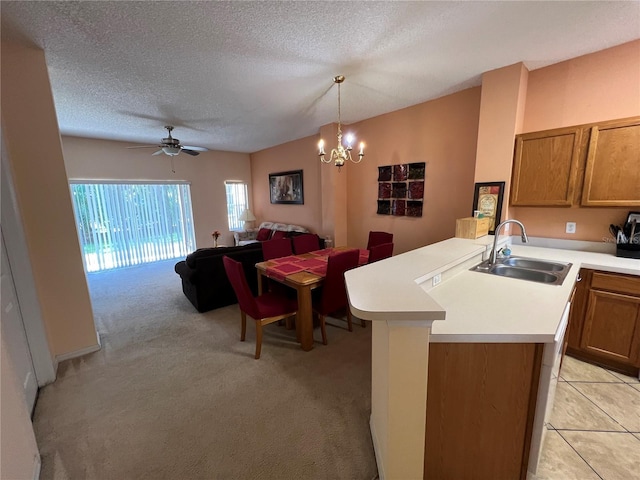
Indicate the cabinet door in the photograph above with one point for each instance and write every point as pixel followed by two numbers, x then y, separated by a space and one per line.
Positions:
pixel 578 309
pixel 612 327
pixel 545 167
pixel 612 173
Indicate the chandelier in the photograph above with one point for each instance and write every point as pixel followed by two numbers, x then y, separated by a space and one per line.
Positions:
pixel 340 154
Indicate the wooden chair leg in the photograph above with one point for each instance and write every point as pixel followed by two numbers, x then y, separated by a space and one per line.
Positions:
pixel 323 329
pixel 243 333
pixel 258 339
pixel 349 322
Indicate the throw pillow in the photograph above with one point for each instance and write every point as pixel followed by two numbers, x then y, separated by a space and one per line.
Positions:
pixel 278 234
pixel 263 234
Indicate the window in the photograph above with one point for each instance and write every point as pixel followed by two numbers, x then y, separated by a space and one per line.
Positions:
pixel 123 224
pixel 237 202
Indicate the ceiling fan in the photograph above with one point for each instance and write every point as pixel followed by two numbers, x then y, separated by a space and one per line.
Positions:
pixel 171 146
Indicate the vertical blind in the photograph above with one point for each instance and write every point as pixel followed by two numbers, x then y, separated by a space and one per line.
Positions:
pixel 123 224
pixel 237 202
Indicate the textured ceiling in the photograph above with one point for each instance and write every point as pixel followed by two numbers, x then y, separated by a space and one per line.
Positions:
pixel 243 76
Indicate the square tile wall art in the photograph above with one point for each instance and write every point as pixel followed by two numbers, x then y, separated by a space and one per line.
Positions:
pixel 401 189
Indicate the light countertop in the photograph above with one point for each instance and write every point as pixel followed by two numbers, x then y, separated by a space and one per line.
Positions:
pixel 471 306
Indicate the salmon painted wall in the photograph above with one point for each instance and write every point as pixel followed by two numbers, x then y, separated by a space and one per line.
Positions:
pixel 604 85
pixel 296 155
pixel 501 115
pixel 600 86
pixel 443 134
pixel 32 140
pixel 108 160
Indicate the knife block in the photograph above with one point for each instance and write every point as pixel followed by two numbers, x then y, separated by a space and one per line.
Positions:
pixel 628 250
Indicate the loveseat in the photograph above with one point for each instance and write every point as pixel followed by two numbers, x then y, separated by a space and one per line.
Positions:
pixel 204 279
pixel 267 231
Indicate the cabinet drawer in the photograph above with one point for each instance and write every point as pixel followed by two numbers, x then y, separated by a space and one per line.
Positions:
pixel 616 283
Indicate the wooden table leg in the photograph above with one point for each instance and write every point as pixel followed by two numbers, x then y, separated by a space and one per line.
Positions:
pixel 304 319
pixel 260 279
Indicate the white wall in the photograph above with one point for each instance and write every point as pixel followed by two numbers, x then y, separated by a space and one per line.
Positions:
pixel 91 159
pixel 19 457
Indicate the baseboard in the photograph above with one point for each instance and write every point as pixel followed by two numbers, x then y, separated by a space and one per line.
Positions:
pixel 376 449
pixel 79 353
pixel 37 465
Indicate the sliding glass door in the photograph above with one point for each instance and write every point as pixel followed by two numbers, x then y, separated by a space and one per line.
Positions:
pixel 123 224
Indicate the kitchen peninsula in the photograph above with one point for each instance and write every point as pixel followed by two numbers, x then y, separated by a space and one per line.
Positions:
pixel 488 346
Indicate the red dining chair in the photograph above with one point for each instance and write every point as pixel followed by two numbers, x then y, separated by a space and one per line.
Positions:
pixel 333 295
pixel 276 248
pixel 378 238
pixel 305 243
pixel 264 309
pixel 378 252
pixel 278 234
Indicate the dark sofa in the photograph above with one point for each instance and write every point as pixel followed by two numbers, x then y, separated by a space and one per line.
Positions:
pixel 204 279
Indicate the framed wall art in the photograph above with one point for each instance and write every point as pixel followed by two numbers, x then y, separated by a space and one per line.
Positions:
pixel 487 199
pixel 286 187
pixel 401 189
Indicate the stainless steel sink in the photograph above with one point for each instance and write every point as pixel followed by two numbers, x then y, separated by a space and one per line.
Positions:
pixel 530 269
pixel 523 274
pixel 534 264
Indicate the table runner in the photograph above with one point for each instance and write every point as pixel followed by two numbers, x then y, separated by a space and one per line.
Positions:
pixel 313 262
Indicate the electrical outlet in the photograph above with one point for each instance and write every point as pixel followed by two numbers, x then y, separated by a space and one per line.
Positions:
pixel 437 279
pixel 571 227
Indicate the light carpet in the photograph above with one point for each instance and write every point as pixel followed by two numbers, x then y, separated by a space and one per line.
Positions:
pixel 174 394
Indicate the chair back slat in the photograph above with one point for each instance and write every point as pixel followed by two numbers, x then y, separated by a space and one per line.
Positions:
pixel 238 280
pixel 378 238
pixel 276 248
pixel 278 235
pixel 334 293
pixel 306 243
pixel 378 252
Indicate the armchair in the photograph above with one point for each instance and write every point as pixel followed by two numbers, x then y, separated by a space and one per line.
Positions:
pixel 245 237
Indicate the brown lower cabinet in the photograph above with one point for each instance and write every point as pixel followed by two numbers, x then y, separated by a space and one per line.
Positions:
pixel 481 400
pixel 604 326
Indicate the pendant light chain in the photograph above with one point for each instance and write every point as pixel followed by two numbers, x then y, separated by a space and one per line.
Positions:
pixel 339 121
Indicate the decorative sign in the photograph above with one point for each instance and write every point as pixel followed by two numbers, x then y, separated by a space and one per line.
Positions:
pixel 401 189
pixel 487 199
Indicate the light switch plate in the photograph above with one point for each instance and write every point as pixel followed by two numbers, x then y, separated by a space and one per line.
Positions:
pixel 571 227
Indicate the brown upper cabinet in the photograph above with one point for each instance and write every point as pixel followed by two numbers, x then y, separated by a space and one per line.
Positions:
pixel 612 174
pixel 545 167
pixel 590 165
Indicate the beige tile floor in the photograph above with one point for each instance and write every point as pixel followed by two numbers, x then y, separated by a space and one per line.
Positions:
pixel 594 432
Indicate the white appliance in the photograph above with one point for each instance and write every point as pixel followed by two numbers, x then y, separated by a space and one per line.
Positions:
pixel 549 375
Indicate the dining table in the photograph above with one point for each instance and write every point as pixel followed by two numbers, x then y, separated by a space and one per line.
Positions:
pixel 303 273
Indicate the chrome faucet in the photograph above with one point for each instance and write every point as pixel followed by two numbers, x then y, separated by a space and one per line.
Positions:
pixel 496 233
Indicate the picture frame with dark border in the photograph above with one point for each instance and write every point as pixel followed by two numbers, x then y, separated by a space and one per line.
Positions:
pixel 286 187
pixel 487 199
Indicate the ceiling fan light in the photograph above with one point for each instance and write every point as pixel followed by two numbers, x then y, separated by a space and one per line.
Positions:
pixel 171 151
